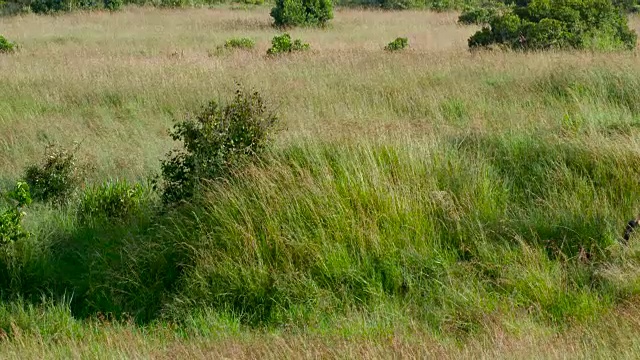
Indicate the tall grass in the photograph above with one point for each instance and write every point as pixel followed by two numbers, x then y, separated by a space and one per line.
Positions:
pixel 437 196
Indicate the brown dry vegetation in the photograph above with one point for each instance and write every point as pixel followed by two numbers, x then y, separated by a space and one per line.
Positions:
pixel 116 82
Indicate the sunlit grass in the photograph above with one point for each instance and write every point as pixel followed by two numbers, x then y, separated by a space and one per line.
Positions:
pixel 428 203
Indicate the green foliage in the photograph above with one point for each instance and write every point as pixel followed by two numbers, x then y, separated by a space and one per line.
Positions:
pixel 481 15
pixel 56 178
pixel 545 24
pixel 55 6
pixel 217 140
pixel 114 200
pixel 397 44
pixel 240 43
pixel 287 13
pixel 283 44
pixel 6 46
pixel 436 5
pixel 113 5
pixel 11 229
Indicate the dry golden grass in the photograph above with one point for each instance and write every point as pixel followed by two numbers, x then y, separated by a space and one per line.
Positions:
pixel 616 338
pixel 117 81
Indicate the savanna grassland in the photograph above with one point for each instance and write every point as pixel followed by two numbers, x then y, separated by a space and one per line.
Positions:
pixel 433 202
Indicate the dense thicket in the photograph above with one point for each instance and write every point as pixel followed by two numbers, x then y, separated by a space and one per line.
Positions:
pixel 545 24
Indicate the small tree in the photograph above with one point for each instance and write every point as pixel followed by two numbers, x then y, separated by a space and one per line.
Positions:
pixel 56 178
pixel 288 13
pixel 217 140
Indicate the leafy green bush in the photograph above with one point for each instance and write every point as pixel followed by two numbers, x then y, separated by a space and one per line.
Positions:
pixel 288 13
pixel 115 200
pixel 56 178
pixel 6 46
pixel 544 24
pixel 283 44
pixel 397 44
pixel 11 219
pixel 217 140
pixel 240 43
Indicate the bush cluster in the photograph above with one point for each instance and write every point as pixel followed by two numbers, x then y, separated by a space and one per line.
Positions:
pixel 217 140
pixel 283 44
pixel 289 13
pixel 544 24
pixel 55 179
pixel 397 44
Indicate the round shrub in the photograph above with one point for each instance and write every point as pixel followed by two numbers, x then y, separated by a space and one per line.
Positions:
pixel 283 44
pixel 289 13
pixel 545 24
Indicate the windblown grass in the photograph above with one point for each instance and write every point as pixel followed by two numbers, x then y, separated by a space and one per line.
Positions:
pixel 434 202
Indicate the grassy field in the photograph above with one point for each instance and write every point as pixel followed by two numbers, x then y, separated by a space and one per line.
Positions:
pixel 427 203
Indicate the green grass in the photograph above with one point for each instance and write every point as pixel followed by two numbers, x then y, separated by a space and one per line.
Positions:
pixel 434 203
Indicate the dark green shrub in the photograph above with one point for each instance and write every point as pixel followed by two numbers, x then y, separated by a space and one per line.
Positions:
pixel 288 13
pixel 113 5
pixel 240 43
pixel 544 24
pixel 50 6
pixel 11 219
pixel 627 5
pixel 116 200
pixel 6 46
pixel 283 44
pixel 56 178
pixel 397 44
pixel 217 140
